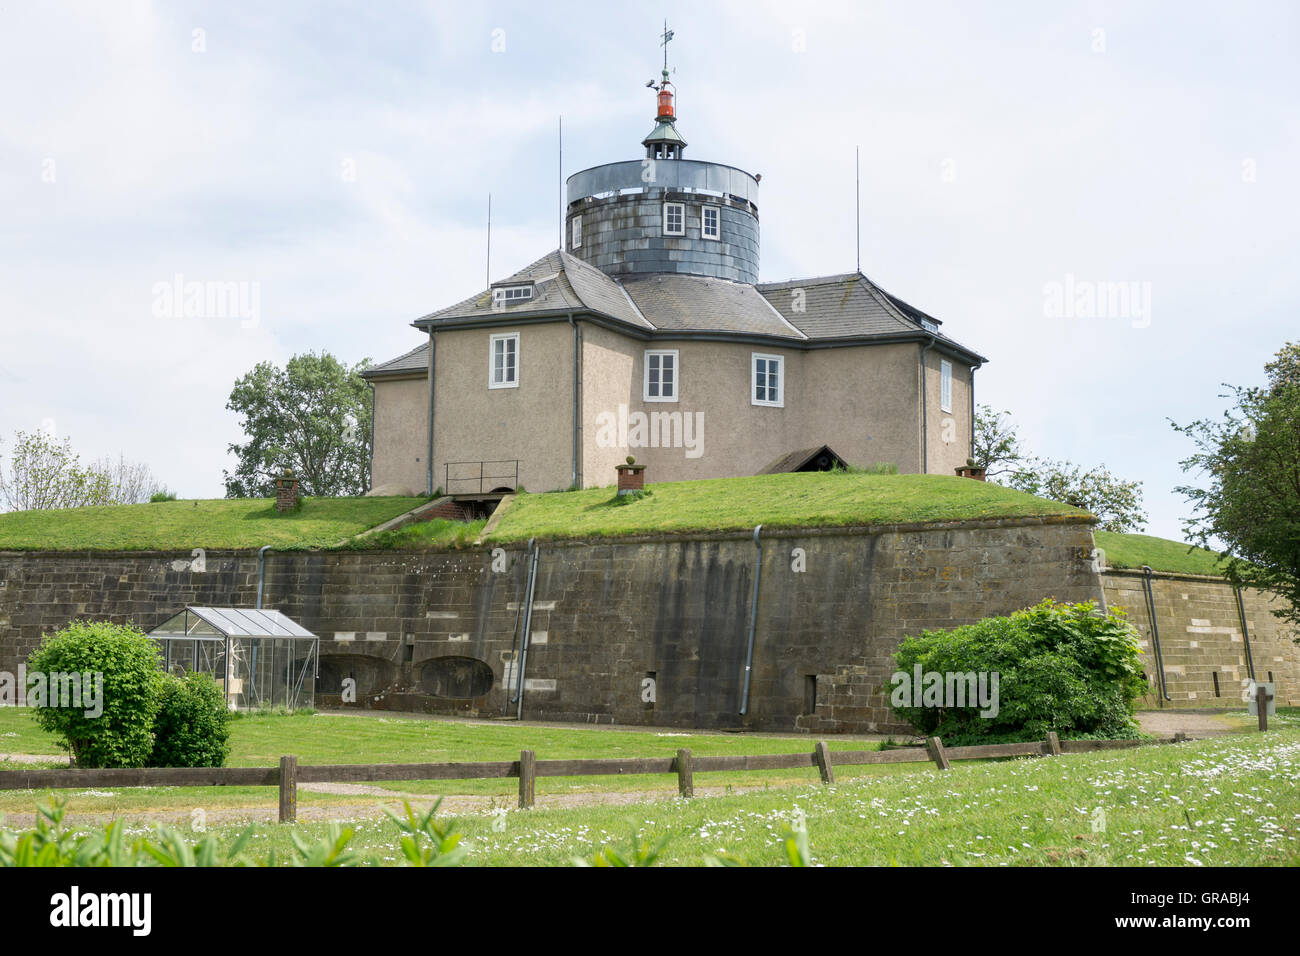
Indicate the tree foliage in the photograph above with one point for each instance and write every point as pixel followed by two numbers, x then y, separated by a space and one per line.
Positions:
pixel 192 728
pixel 45 473
pixel 311 417
pixel 997 449
pixel 1250 504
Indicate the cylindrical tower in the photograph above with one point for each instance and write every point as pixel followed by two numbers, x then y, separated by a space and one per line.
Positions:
pixel 664 213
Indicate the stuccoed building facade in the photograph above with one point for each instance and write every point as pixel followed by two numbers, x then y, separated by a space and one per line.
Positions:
pixel 650 335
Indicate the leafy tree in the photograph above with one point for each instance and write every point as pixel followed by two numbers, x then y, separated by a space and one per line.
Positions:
pixel 1116 503
pixel 997 444
pixel 1251 503
pixel 311 417
pixel 46 473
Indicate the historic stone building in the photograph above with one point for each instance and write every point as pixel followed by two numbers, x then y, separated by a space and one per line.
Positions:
pixel 651 335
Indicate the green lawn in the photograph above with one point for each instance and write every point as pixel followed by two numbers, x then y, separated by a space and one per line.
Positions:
pixel 184 525
pixel 260 740
pixel 1229 801
pixel 819 499
pixel 1159 554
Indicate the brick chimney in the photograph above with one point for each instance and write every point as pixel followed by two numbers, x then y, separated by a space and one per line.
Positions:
pixel 286 492
pixel 631 477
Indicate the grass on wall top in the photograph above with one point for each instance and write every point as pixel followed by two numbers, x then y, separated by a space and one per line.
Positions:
pixel 1159 554
pixel 815 499
pixel 240 523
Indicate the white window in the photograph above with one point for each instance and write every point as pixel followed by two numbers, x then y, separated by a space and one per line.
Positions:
pixel 510 294
pixel 711 222
pixel 674 219
pixel 945 385
pixel 769 384
pixel 503 361
pixel 577 232
pixel 660 376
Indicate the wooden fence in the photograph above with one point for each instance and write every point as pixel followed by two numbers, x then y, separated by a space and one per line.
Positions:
pixel 528 768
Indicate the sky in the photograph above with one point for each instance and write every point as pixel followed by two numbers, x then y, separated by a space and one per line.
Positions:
pixel 330 164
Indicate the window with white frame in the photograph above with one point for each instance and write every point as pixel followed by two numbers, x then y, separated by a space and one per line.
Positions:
pixel 674 219
pixel 710 222
pixel 576 241
pixel 660 375
pixel 510 294
pixel 768 380
pixel 503 361
pixel 945 386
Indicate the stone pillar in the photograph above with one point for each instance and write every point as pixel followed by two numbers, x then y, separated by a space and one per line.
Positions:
pixel 286 492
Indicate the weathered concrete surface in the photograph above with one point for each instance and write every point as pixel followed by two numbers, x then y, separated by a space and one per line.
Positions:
pixel 414 629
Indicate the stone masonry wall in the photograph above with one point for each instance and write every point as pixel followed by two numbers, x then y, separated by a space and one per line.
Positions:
pixel 633 631
pixel 1201 640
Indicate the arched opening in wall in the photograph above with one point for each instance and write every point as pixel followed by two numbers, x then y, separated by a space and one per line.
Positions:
pixel 370 675
pixel 455 678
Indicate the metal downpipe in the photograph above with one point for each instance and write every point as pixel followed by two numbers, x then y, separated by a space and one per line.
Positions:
pixel 1155 630
pixel 753 622
pixel 925 406
pixel 261 571
pixel 522 669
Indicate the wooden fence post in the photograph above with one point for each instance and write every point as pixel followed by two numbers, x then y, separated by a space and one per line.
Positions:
pixel 288 789
pixel 1261 705
pixel 937 753
pixel 685 778
pixel 1053 744
pixel 822 754
pixel 527 778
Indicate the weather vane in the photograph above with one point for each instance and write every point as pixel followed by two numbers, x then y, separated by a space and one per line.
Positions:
pixel 668 35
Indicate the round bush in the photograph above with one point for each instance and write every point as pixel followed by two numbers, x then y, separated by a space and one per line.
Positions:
pixel 192 728
pixel 1061 667
pixel 117 666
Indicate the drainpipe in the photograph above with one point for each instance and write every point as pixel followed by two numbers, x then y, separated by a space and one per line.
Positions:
pixel 261 571
pixel 753 622
pixel 971 389
pixel 429 479
pixel 1155 630
pixel 521 670
pixel 1245 633
pixel 577 387
pixel 370 465
pixel 925 427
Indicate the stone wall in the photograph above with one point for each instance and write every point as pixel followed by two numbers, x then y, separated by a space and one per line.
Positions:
pixel 611 622
pixel 1202 644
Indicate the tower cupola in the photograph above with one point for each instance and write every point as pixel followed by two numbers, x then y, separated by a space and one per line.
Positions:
pixel 664 142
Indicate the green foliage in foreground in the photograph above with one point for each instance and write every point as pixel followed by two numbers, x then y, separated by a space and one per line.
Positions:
pixel 813 499
pixel 192 728
pixel 1060 667
pixel 121 734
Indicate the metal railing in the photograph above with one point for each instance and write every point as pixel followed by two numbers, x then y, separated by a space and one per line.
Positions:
pixel 480 477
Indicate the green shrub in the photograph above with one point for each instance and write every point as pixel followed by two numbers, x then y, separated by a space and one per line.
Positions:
pixel 1061 667
pixel 163 495
pixel 127 663
pixel 192 728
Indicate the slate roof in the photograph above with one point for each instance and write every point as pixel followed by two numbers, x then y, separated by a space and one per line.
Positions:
pixel 847 308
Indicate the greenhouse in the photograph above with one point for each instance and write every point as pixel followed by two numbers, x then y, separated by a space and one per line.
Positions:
pixel 259 658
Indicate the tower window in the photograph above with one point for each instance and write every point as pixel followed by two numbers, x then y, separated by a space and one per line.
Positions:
pixel 503 361
pixel 710 222
pixel 660 376
pixel 674 219
pixel 769 389
pixel 576 239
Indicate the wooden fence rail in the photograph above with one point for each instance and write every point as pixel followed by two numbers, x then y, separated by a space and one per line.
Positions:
pixel 528 768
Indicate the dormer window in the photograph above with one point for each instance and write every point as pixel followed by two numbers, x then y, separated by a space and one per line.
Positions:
pixel 674 219
pixel 511 295
pixel 930 325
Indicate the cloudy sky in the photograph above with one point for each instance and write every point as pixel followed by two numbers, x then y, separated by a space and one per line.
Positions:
pixel 335 160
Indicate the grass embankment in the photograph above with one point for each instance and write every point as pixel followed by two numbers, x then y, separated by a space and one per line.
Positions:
pixel 259 740
pixel 1159 554
pixel 822 499
pixel 221 524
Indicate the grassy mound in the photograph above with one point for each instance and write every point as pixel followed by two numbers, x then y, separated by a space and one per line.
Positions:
pixel 1159 554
